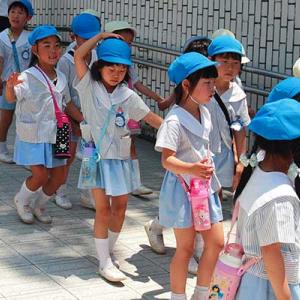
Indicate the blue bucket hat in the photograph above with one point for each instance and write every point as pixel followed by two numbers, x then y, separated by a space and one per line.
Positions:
pixel 225 44
pixel 42 32
pixel 85 26
pixel 26 3
pixel 114 51
pixel 279 120
pixel 287 88
pixel 186 64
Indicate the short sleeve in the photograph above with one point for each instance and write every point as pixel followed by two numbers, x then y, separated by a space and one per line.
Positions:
pixel 22 89
pixel 84 83
pixel 168 136
pixel 133 75
pixel 138 109
pixel 242 112
pixel 275 223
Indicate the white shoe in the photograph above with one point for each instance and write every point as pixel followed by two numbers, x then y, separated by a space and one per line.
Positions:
pixel 156 241
pixel 62 201
pixel 142 190
pixel 193 266
pixel 24 211
pixel 6 158
pixel 111 273
pixel 42 216
pixel 87 201
pixel 115 261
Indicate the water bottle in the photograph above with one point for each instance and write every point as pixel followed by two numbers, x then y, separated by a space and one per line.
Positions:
pixel 88 166
pixel 199 197
pixel 226 278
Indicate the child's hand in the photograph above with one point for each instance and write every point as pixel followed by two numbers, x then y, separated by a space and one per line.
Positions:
pixel 13 80
pixel 202 169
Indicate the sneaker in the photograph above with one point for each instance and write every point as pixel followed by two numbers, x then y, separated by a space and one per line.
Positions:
pixel 6 158
pixel 42 216
pixel 111 273
pixel 156 241
pixel 193 266
pixel 115 261
pixel 142 190
pixel 62 201
pixel 24 211
pixel 87 201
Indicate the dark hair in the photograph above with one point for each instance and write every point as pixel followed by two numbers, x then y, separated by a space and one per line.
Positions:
pixel 98 65
pixel 209 72
pixel 199 46
pixel 18 4
pixel 283 148
pixel 228 55
pixel 125 30
pixel 297 97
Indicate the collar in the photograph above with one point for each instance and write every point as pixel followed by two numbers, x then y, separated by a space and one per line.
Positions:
pixel 190 122
pixel 22 39
pixel 61 80
pixel 234 94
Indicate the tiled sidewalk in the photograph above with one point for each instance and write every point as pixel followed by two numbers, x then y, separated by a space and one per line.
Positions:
pixel 58 261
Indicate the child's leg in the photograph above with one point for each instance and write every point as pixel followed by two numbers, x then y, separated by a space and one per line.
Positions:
pixel 6 117
pixel 213 244
pixel 179 264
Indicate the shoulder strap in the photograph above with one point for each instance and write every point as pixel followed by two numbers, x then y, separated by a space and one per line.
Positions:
pixel 71 52
pixel 225 112
pixel 15 52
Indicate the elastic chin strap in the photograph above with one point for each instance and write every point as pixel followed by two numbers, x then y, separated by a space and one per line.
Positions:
pixel 193 99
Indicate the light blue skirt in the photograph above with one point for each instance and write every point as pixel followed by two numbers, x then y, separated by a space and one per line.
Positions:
pixel 224 166
pixel 115 176
pixel 32 154
pixel 253 287
pixel 174 206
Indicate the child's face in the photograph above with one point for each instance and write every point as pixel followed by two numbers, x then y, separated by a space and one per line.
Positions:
pixel 113 75
pixel 18 17
pixel 204 90
pixel 79 41
pixel 48 50
pixel 127 35
pixel 228 68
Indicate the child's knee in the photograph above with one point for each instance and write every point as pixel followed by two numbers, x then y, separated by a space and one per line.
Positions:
pixel 185 251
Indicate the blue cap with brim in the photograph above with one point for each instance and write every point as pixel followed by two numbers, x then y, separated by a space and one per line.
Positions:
pixel 279 120
pixel 225 44
pixel 186 64
pixel 287 88
pixel 115 51
pixel 26 3
pixel 42 32
pixel 85 26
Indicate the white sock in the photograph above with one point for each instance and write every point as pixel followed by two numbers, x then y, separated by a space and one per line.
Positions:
pixel 42 200
pixel 25 194
pixel 178 296
pixel 156 227
pixel 112 238
pixel 62 190
pixel 201 293
pixel 137 173
pixel 102 249
pixel 3 147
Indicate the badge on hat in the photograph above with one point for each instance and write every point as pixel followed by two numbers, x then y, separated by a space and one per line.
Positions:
pixel 120 118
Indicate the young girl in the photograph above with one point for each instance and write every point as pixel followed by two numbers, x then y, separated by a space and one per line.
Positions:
pixel 107 105
pixel 268 222
pixel 15 54
pixel 36 124
pixel 183 140
pixel 229 112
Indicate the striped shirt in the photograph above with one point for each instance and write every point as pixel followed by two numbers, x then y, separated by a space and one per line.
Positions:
pixel 270 213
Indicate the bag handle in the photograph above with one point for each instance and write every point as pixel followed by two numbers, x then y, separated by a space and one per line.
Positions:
pixel 15 52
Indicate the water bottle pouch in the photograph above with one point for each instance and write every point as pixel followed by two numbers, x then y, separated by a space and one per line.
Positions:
pixel 125 144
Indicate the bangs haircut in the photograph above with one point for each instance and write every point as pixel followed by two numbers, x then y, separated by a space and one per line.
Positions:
pixel 228 55
pixel 100 64
pixel 205 73
pixel 20 5
pixel 125 30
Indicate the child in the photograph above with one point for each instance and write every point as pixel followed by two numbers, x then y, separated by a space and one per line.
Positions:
pixel 107 104
pixel 229 113
pixel 128 33
pixel 268 221
pixel 15 54
pixel 183 141
pixel 36 124
pixel 296 68
pixel 84 27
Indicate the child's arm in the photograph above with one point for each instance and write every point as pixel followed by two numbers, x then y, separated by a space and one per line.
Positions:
pixel 274 265
pixel 11 82
pixel 147 92
pixel 153 119
pixel 167 102
pixel 171 163
pixel 85 48
pixel 73 111
pixel 240 147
